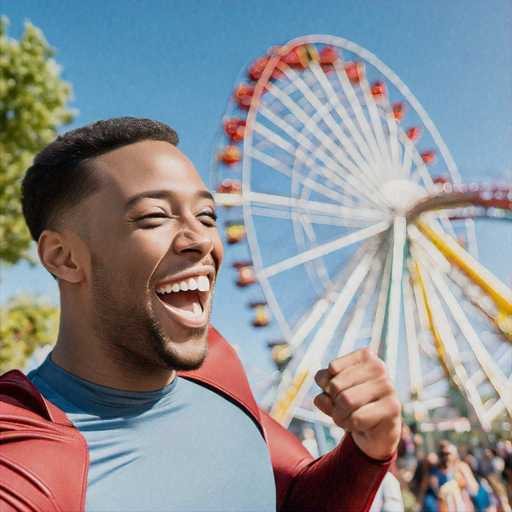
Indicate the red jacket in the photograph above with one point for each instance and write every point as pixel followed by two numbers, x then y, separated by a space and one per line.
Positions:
pixel 44 460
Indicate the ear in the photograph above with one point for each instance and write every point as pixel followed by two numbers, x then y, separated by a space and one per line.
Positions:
pixel 61 253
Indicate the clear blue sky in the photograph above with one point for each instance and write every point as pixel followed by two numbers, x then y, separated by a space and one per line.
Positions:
pixel 176 61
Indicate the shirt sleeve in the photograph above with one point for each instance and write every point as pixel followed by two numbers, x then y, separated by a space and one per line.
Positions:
pixel 343 480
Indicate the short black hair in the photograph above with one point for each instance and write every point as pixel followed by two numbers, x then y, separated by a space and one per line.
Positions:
pixel 60 178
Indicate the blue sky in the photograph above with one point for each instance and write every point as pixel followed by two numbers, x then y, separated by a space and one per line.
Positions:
pixel 177 61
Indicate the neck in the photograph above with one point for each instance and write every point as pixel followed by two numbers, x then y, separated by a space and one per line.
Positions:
pixel 79 351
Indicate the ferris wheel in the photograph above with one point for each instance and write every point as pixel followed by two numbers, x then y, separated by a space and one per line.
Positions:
pixel 347 210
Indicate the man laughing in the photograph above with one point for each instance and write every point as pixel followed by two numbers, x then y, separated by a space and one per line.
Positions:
pixel 142 405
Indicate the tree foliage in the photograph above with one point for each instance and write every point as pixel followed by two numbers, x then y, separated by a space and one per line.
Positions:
pixel 33 106
pixel 25 324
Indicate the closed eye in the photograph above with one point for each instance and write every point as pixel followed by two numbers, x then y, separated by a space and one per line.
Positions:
pixel 159 215
pixel 153 215
pixel 211 215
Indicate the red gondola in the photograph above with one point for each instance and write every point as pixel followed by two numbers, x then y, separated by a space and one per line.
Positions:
pixel 355 72
pixel 292 58
pixel 229 186
pixel 243 94
pixel 399 110
pixel 246 273
pixel 429 157
pixel 379 91
pixel 328 56
pixel 234 128
pixel 260 309
pixel 256 68
pixel 414 134
pixel 230 155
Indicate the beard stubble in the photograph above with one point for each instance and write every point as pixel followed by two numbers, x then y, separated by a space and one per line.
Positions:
pixel 131 334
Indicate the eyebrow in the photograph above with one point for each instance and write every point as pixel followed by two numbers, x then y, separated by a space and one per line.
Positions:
pixel 162 194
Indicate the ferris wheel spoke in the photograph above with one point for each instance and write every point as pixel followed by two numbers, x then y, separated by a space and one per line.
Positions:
pixel 312 217
pixel 345 181
pixel 442 217
pixel 493 412
pixel 327 171
pixel 380 312
pixel 460 279
pixel 327 248
pixel 413 353
pixel 492 371
pixel 320 108
pixel 312 126
pixel 393 141
pixel 288 399
pixel 473 270
pixel 407 155
pixel 303 226
pixel 359 114
pixel 350 172
pixel 377 126
pixel 420 173
pixel 472 246
pixel 309 206
pixel 312 318
pixel 276 164
pixel 394 303
pixel 447 346
pixel 360 309
pixel 344 115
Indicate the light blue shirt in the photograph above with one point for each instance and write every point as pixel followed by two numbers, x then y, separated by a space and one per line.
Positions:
pixel 181 448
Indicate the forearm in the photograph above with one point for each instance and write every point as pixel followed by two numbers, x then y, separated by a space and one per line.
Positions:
pixel 343 480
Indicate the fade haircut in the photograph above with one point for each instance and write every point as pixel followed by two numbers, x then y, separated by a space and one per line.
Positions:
pixel 62 176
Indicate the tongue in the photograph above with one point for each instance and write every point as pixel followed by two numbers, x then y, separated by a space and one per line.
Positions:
pixel 181 300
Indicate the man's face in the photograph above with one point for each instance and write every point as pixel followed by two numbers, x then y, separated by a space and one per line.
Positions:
pixel 151 232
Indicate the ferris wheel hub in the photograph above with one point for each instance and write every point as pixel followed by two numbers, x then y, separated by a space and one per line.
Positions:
pixel 401 195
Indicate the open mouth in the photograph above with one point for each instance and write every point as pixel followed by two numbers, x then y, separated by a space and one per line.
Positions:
pixel 185 300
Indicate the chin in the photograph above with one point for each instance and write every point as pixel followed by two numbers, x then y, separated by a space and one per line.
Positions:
pixel 186 356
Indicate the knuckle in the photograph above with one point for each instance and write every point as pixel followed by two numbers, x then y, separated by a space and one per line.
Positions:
pixel 345 399
pixel 332 388
pixel 333 367
pixel 381 366
pixel 367 354
pixel 387 386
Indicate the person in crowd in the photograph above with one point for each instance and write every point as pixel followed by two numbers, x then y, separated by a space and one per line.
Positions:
pixel 425 497
pixel 389 496
pixel 309 442
pixel 491 468
pixel 482 499
pixel 449 483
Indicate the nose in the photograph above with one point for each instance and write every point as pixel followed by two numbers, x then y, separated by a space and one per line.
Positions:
pixel 193 242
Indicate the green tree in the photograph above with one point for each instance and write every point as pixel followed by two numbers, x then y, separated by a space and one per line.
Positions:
pixel 33 106
pixel 25 324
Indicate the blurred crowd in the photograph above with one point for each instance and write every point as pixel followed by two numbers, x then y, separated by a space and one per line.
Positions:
pixel 450 477
pixel 454 477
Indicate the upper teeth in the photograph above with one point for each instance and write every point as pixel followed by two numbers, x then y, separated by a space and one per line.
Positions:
pixel 201 283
